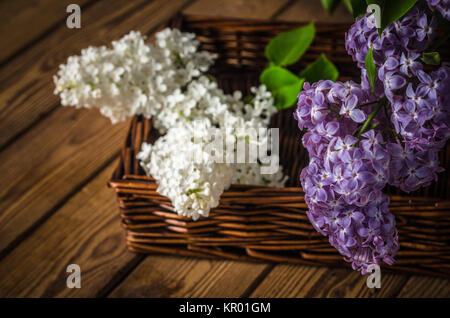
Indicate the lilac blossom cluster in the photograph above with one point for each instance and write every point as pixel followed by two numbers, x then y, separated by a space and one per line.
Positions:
pixel 359 141
pixel 407 36
pixel 343 182
pixel 443 6
pixel 420 118
pixel 419 101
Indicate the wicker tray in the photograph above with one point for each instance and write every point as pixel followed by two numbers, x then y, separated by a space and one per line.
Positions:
pixel 259 223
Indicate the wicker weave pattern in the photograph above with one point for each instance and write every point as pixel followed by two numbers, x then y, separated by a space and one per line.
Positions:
pixel 258 223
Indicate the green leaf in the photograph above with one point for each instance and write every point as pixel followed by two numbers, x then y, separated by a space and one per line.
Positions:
pixel 330 5
pixel 275 77
pixel 286 48
pixel 286 96
pixel 371 69
pixel 392 10
pixel 283 84
pixel 356 7
pixel 431 58
pixel 321 68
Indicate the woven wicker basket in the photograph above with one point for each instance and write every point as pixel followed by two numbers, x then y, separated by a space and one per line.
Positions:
pixel 268 224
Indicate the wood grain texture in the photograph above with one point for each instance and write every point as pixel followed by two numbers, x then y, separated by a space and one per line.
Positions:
pixel 49 162
pixel 26 85
pixel 289 281
pixel 429 287
pixel 307 11
pixel 86 232
pixel 22 21
pixel 311 281
pixel 246 9
pixel 172 276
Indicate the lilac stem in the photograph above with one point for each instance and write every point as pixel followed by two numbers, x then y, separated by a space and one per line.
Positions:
pixel 369 119
pixel 369 103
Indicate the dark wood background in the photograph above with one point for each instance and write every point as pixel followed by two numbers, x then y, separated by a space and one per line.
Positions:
pixel 55 208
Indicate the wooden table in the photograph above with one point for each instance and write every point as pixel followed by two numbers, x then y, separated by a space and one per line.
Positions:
pixel 55 207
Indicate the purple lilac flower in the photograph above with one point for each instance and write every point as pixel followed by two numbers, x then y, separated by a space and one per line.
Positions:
pixel 353 230
pixel 343 182
pixel 412 169
pixel 410 34
pixel 345 175
pixel 349 110
pixel 392 81
pixel 443 6
pixel 409 64
pixel 420 112
pixel 419 101
pixel 425 29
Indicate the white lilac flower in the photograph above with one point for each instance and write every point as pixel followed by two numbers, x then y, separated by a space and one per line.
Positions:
pixel 132 77
pixel 195 187
pixel 165 81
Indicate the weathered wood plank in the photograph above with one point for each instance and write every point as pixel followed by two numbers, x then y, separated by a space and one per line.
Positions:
pixel 289 281
pixel 85 231
pixel 307 11
pixel 391 285
pixel 249 9
pixel 49 162
pixel 22 21
pixel 311 281
pixel 26 85
pixel 171 276
pixel 423 286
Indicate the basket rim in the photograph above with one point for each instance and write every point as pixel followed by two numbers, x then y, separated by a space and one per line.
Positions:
pixel 128 180
pixel 251 21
